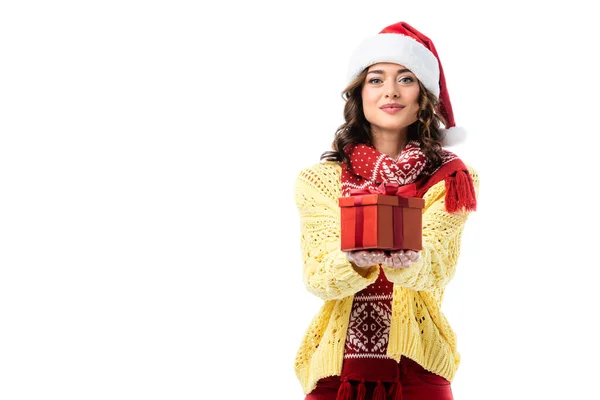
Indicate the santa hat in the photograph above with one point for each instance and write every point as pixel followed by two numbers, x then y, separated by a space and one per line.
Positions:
pixel 402 44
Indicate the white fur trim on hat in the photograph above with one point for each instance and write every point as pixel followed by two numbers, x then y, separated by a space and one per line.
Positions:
pixel 453 136
pixel 399 49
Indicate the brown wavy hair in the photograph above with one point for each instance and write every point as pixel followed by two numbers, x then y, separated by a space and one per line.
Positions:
pixel 357 130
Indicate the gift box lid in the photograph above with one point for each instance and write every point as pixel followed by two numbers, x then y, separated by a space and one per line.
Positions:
pixel 373 199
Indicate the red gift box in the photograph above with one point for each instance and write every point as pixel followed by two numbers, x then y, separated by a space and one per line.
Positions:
pixel 386 218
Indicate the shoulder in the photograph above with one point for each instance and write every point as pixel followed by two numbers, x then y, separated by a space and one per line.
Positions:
pixel 323 177
pixel 321 170
pixel 324 167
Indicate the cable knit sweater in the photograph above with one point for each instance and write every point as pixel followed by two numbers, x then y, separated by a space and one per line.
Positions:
pixel 419 330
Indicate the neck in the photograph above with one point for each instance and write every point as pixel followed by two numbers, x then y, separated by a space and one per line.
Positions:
pixel 390 143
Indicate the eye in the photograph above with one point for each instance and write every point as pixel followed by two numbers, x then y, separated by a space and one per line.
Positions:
pixel 374 79
pixel 406 79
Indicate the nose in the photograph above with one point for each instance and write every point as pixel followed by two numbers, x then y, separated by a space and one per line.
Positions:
pixel 391 90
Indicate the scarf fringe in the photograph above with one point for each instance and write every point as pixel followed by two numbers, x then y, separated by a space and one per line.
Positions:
pixel 398 394
pixel 460 192
pixel 379 392
pixel 361 391
pixel 345 391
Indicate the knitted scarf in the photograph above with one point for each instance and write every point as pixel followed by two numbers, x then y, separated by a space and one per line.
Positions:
pixel 365 359
pixel 369 168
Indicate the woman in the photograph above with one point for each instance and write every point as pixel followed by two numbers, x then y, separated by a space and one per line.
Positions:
pixel 381 333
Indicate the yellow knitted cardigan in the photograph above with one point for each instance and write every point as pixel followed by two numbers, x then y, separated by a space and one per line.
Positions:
pixel 419 330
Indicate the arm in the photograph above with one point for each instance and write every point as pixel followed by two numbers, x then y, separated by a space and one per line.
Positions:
pixel 442 234
pixel 327 272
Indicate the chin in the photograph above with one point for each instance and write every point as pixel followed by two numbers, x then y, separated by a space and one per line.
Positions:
pixel 393 127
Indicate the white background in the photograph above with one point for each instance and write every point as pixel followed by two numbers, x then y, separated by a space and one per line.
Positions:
pixel 149 240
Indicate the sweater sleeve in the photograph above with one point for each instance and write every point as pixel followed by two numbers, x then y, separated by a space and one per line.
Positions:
pixel 327 273
pixel 442 232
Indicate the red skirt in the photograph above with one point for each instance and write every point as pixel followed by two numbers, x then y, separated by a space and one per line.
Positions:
pixel 416 383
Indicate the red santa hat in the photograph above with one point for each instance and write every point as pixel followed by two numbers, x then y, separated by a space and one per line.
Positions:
pixel 402 44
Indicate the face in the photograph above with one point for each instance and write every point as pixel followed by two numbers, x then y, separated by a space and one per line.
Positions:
pixel 390 83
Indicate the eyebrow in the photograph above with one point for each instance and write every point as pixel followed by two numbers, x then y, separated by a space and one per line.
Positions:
pixel 378 71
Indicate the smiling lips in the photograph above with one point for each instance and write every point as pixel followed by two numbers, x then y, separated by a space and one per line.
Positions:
pixel 392 108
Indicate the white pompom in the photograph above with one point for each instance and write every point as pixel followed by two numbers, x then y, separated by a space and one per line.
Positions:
pixel 453 136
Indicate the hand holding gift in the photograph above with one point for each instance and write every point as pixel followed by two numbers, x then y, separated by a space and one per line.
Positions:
pixel 393 259
pixel 365 258
pixel 401 258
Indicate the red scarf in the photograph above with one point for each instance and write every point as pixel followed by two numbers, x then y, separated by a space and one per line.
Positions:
pixel 369 168
pixel 365 358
